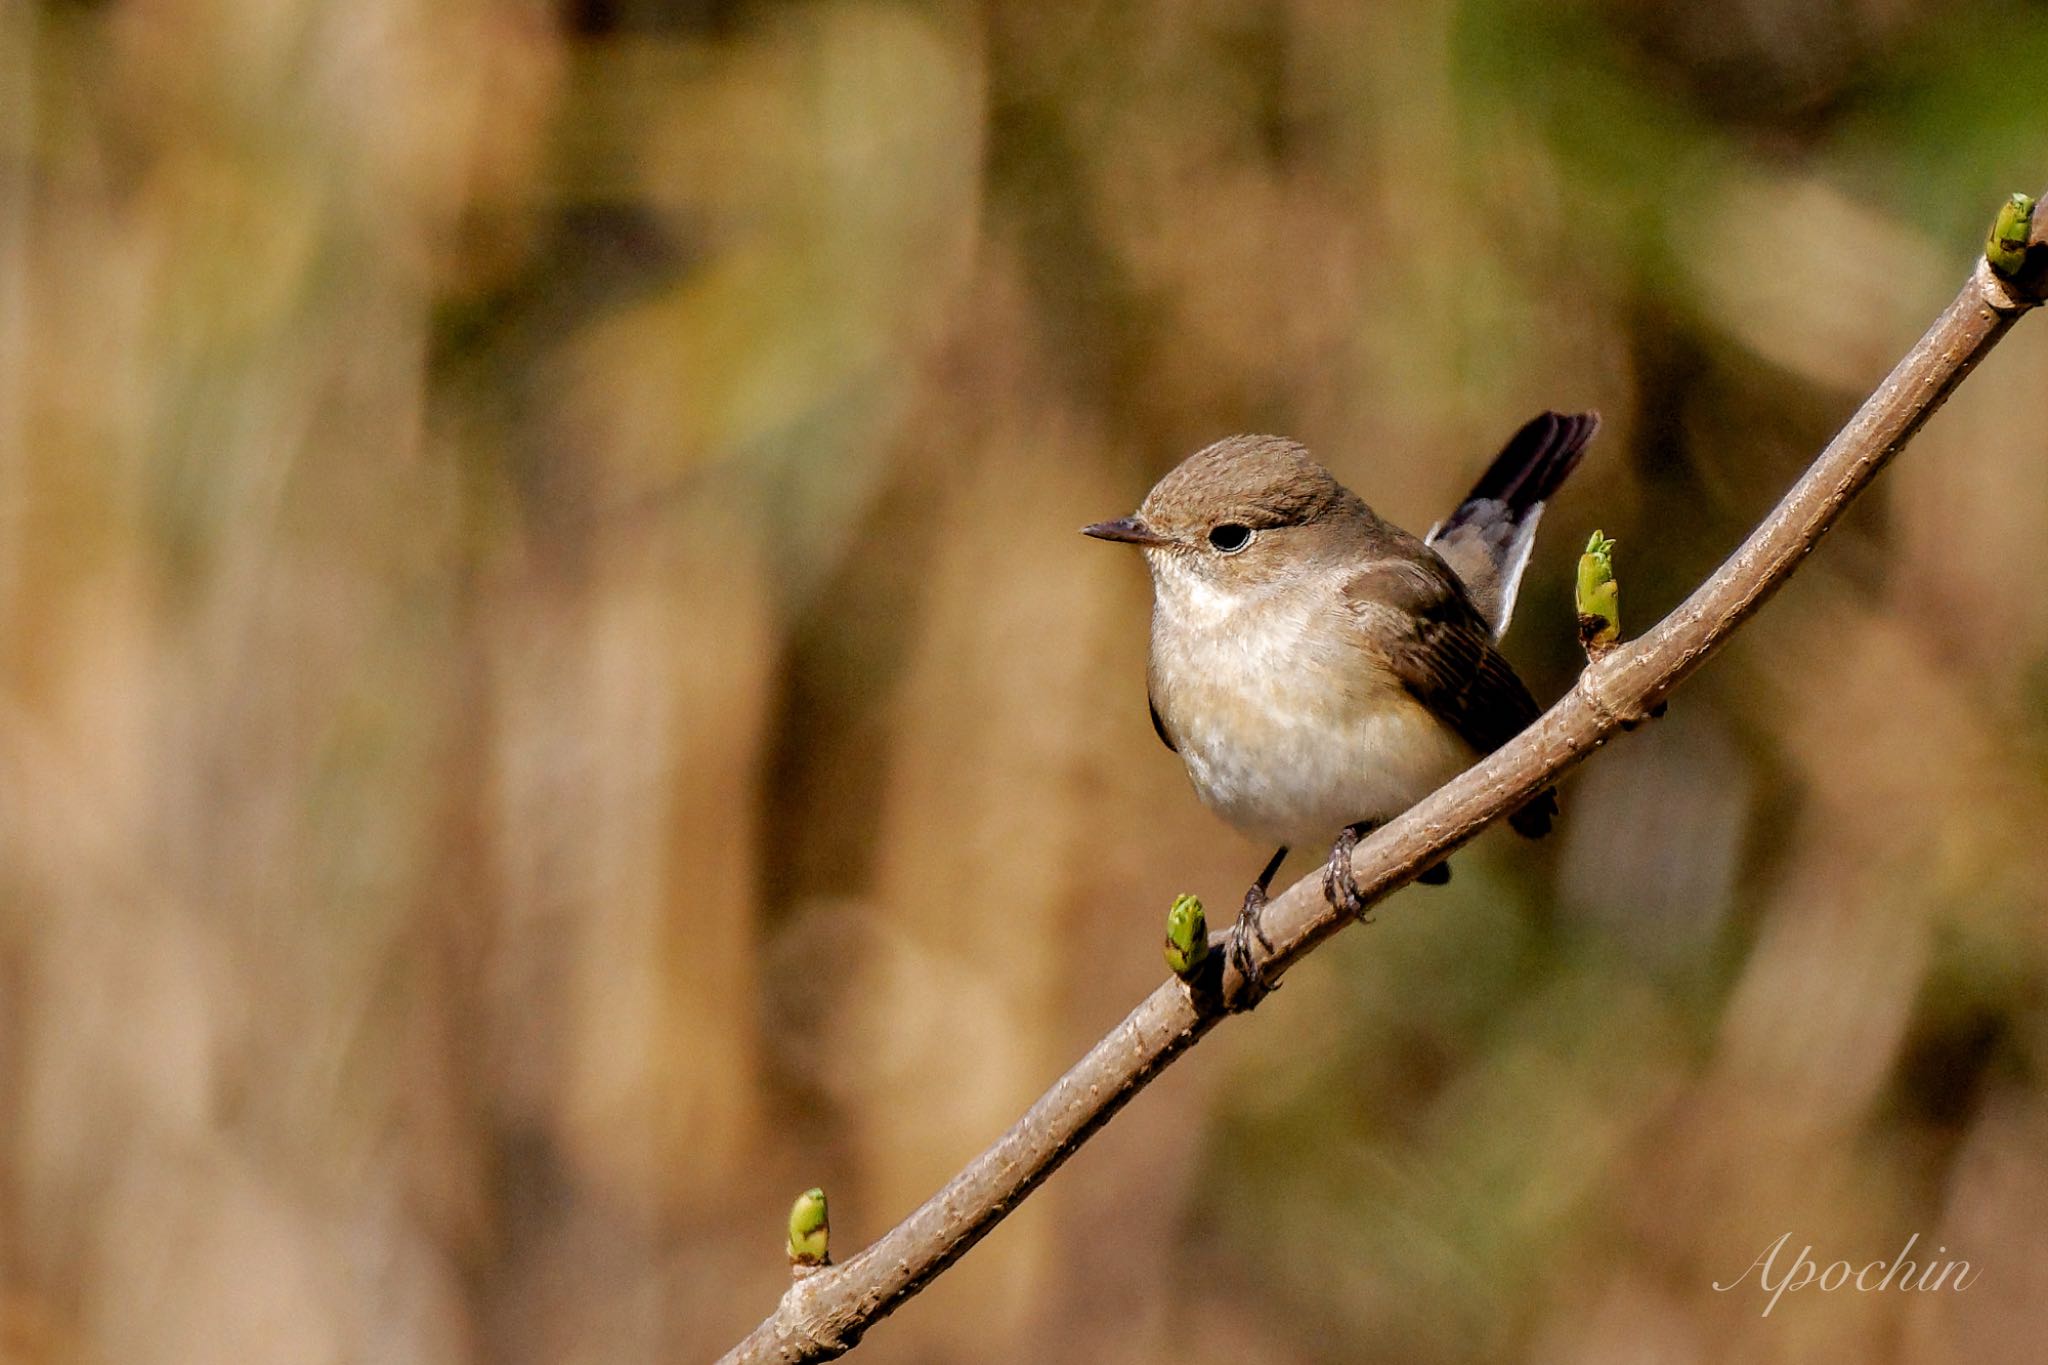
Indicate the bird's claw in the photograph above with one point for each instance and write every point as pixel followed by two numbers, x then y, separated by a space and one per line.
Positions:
pixel 1340 887
pixel 1238 950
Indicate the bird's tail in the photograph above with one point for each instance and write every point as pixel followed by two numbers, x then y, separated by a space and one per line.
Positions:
pixel 1488 539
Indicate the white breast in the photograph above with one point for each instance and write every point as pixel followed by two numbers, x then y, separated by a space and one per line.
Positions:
pixel 1288 731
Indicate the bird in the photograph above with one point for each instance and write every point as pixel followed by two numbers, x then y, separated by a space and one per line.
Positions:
pixel 1317 669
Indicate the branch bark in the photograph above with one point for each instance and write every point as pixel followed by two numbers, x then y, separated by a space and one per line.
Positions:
pixel 824 1314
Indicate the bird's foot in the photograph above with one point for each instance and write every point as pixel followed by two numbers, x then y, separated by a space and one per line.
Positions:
pixel 1239 949
pixel 1340 887
pixel 1249 929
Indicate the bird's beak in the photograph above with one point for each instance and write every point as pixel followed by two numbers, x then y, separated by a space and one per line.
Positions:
pixel 1130 530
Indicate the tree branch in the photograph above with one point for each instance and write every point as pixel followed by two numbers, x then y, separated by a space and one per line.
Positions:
pixel 824 1314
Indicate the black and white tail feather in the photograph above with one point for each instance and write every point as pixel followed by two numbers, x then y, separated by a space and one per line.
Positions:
pixel 1487 541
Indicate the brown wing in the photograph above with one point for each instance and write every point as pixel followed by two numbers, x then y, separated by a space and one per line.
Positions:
pixel 1419 620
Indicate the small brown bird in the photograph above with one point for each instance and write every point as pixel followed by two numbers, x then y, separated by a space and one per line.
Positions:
pixel 1319 670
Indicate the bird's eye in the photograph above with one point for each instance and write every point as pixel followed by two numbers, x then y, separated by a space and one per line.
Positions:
pixel 1230 537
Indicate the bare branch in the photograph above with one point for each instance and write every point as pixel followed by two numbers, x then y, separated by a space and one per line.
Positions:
pixel 824 1314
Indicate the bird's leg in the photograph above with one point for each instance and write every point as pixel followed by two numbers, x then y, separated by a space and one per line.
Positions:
pixel 1248 928
pixel 1340 887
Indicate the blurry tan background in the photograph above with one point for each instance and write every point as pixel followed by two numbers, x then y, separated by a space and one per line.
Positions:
pixel 552 698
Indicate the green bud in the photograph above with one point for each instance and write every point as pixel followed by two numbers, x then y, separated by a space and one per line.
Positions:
pixel 2006 247
pixel 1599 596
pixel 809 1230
pixel 1187 935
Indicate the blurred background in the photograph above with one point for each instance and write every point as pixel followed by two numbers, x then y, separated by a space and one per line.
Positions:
pixel 552 698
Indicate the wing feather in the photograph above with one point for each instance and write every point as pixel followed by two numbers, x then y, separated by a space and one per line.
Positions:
pixel 1488 539
pixel 1427 632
